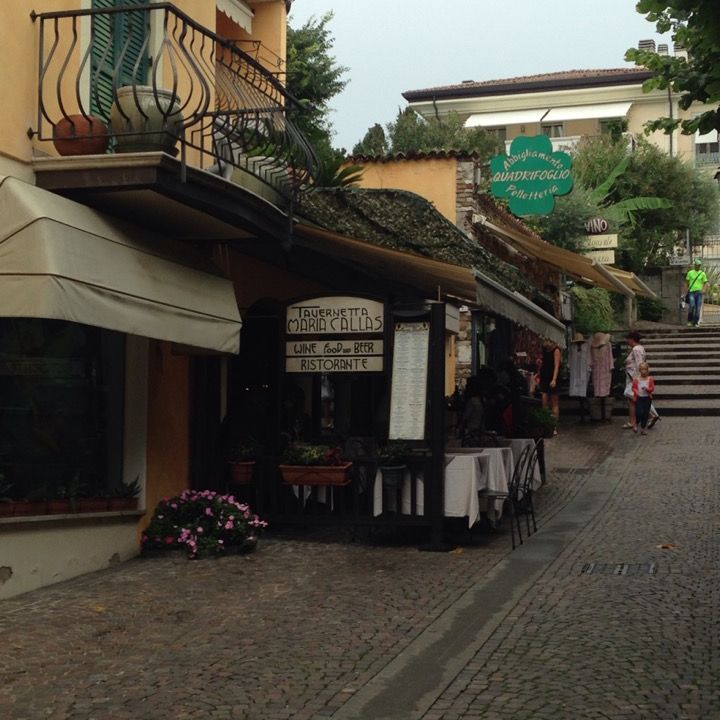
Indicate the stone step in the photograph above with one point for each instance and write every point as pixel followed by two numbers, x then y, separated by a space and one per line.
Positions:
pixel 704 380
pixel 685 354
pixel 679 392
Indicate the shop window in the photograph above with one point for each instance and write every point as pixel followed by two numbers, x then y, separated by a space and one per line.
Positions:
pixel 500 133
pixel 61 409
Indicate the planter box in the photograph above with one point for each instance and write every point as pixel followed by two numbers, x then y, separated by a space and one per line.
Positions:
pixel 30 507
pixel 7 509
pixel 122 504
pixel 92 505
pixel 58 507
pixel 241 473
pixel 315 474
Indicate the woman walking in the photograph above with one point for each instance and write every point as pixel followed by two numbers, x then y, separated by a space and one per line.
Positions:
pixel 635 357
pixel 549 377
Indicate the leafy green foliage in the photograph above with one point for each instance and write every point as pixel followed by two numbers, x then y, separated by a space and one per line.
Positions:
pixel 314 78
pixel 331 173
pixel 312 455
pixel 650 309
pixel 695 26
pixel 203 522
pixel 649 198
pixel 411 133
pixel 593 310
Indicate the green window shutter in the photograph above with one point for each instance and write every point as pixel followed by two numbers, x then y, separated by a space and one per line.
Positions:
pixel 119 53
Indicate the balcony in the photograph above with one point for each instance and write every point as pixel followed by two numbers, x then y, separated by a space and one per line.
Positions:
pixel 148 78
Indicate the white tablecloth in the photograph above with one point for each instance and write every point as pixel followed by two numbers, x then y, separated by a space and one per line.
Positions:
pixel 466 475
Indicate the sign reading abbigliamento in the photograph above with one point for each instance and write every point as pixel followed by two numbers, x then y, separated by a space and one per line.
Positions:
pixel 531 175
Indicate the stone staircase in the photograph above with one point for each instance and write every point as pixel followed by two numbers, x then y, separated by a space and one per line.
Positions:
pixel 686 366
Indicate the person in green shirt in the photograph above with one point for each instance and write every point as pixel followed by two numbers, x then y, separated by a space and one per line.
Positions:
pixel 696 282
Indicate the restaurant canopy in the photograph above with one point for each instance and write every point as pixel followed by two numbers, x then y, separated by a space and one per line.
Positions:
pixel 61 260
pixel 435 278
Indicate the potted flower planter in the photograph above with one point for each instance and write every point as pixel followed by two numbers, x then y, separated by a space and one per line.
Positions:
pixel 315 474
pixel 7 509
pixel 146 119
pixel 30 507
pixel 122 503
pixel 58 507
pixel 242 472
pixel 87 505
pixel 80 135
pixel 392 475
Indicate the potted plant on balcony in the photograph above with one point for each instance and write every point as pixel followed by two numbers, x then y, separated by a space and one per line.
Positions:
pixel 314 465
pixel 241 461
pixel 80 135
pixel 146 119
pixel 391 460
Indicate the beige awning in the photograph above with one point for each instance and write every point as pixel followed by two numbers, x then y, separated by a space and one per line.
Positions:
pixel 238 11
pixel 502 119
pixel 598 111
pixel 64 261
pixel 632 281
pixel 432 276
pixel 579 266
pixel 517 308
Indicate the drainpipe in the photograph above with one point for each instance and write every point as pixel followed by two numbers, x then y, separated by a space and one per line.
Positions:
pixel 670 115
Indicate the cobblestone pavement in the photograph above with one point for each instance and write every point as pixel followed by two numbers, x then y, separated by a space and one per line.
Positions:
pixel 296 629
pixel 584 642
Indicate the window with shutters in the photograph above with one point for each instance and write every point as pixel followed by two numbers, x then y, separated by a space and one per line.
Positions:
pixel 119 51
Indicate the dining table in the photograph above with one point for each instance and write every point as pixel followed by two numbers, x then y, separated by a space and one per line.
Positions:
pixel 471 478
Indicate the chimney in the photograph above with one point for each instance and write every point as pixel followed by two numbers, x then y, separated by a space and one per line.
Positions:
pixel 647 45
pixel 662 49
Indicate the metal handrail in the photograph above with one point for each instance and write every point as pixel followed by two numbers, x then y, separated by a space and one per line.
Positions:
pixel 204 91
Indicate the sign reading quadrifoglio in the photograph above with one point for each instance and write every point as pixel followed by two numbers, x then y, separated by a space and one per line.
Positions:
pixel 316 319
pixel 531 175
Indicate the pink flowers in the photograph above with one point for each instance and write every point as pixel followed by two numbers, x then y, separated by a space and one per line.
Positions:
pixel 202 521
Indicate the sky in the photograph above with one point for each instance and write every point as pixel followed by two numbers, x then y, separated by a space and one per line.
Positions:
pixel 390 46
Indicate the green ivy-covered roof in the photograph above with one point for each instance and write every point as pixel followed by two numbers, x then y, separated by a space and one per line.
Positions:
pixel 405 221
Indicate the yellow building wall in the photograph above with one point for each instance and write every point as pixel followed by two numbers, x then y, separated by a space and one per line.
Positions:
pixel 19 74
pixel 270 28
pixel 432 178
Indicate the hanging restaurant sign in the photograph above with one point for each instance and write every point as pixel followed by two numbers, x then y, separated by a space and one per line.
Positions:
pixel 315 328
pixel 337 315
pixel 531 175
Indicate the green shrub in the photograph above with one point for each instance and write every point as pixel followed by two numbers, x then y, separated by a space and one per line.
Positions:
pixel 593 310
pixel 650 309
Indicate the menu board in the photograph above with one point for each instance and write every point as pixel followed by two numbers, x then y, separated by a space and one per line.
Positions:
pixel 409 381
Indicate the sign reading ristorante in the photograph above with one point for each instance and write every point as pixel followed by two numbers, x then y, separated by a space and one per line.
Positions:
pixel 531 175
pixel 313 326
pixel 338 315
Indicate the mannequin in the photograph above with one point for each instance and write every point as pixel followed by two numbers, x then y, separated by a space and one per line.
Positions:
pixel 579 365
pixel 602 364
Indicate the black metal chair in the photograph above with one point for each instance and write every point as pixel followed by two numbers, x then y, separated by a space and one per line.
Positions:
pixel 525 503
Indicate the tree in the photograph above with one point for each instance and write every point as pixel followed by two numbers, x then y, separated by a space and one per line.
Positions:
pixel 374 143
pixel 649 197
pixel 314 78
pixel 409 132
pixel 695 26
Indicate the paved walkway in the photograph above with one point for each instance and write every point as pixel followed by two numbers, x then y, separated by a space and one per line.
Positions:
pixel 311 628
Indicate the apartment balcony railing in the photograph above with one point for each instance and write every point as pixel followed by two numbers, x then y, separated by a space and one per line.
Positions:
pixel 148 77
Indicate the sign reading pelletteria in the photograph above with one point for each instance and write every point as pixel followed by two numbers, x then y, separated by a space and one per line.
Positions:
pixel 531 175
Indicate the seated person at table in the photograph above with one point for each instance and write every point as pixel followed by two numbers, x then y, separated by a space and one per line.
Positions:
pixel 499 411
pixel 472 421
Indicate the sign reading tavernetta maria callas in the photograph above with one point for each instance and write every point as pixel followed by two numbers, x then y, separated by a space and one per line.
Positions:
pixel 315 330
pixel 531 175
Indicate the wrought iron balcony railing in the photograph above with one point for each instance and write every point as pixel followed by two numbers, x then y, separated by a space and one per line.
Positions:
pixel 148 77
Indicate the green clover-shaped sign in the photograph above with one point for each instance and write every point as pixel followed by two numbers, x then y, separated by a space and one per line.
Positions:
pixel 531 175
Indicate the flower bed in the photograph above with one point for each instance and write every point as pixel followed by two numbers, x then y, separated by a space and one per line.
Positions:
pixel 202 522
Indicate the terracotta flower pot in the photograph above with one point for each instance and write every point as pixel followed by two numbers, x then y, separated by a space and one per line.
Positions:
pixel 80 135
pixel 86 505
pixel 58 507
pixel 7 509
pixel 30 507
pixel 120 503
pixel 241 473
pixel 315 474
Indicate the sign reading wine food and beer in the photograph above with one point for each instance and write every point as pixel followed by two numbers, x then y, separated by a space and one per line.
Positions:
pixel 334 334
